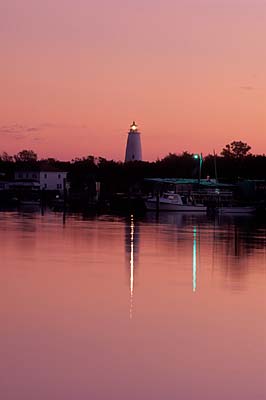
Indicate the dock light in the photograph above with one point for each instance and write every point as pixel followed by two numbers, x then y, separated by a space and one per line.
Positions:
pixel 200 158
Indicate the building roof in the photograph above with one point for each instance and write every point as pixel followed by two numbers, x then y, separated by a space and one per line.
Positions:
pixel 24 183
pixel 59 171
pixel 187 181
pixel 48 168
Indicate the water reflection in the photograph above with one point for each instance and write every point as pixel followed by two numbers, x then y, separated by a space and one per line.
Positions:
pixel 66 306
pixel 194 266
pixel 132 250
pixel 226 244
pixel 131 265
pixel 229 244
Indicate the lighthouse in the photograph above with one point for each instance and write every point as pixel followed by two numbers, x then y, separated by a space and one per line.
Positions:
pixel 133 150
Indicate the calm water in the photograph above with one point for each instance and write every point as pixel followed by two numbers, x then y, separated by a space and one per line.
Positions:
pixel 119 308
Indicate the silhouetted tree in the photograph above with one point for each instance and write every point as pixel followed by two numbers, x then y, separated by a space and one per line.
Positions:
pixel 236 149
pixel 26 156
pixel 5 157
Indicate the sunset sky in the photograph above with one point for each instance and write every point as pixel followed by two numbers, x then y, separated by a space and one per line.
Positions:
pixel 75 73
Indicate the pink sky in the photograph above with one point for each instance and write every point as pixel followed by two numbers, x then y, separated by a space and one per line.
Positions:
pixel 74 74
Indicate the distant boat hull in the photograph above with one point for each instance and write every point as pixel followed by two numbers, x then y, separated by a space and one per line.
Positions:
pixel 237 210
pixel 151 205
pixel 29 203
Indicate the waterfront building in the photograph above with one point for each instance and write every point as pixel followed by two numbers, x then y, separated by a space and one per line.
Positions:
pixel 133 149
pixel 52 180
pixel 48 179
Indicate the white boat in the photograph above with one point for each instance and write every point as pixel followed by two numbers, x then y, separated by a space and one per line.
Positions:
pixel 170 201
pixel 237 210
pixel 30 203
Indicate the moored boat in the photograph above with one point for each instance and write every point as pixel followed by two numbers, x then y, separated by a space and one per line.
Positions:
pixel 237 210
pixel 29 203
pixel 170 201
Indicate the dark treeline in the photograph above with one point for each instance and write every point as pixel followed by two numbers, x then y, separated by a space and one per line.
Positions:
pixel 235 163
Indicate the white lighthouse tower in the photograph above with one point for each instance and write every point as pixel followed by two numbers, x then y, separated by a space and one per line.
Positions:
pixel 133 150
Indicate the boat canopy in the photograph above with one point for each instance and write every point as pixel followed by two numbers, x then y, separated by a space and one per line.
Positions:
pixel 183 181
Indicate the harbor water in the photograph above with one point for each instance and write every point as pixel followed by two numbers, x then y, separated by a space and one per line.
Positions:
pixel 107 307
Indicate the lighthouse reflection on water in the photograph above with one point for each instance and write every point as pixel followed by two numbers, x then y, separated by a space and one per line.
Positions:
pixel 132 250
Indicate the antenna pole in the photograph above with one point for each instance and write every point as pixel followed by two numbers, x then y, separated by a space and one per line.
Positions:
pixel 215 166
